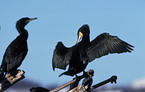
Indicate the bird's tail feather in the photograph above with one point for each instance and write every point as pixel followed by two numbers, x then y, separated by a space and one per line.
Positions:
pixel 69 73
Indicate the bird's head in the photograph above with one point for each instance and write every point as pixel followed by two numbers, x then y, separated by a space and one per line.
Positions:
pixel 90 72
pixel 21 23
pixel 83 31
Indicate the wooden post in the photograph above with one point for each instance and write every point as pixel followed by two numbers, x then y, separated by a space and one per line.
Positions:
pixel 63 86
pixel 78 78
pixel 8 80
pixel 112 79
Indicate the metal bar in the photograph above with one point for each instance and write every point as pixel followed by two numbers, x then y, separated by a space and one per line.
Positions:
pixel 112 79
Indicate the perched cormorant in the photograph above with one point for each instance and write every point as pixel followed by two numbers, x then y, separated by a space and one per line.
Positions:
pixel 78 56
pixel 17 49
pixel 87 81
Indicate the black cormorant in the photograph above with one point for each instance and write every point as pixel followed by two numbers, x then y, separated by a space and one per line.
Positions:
pixel 78 56
pixel 87 81
pixel 17 49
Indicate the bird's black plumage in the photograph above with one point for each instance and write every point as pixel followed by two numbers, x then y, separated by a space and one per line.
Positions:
pixel 17 49
pixel 78 56
pixel 39 89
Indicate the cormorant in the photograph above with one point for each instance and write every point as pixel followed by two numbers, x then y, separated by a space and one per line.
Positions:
pixel 87 81
pixel 79 55
pixel 17 49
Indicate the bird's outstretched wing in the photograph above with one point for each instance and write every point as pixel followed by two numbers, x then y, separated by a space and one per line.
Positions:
pixel 61 56
pixel 105 44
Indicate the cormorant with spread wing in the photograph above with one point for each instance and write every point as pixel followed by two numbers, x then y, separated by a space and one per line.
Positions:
pixel 79 55
pixel 17 50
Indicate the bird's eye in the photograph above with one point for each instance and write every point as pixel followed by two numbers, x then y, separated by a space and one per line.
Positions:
pixel 27 21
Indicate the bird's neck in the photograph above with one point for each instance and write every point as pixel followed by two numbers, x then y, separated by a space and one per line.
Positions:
pixel 86 39
pixel 23 32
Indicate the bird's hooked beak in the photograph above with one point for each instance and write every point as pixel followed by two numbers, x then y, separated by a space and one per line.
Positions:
pixel 80 36
pixel 31 19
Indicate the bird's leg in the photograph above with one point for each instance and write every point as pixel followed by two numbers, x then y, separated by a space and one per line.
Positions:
pixel 78 78
pixel 85 74
pixel 76 75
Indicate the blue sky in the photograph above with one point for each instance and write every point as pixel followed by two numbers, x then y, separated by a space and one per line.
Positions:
pixel 60 20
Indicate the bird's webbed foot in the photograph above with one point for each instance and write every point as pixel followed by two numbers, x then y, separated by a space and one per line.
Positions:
pixel 13 78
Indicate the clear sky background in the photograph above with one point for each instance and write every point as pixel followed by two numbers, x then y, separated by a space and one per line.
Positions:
pixel 60 20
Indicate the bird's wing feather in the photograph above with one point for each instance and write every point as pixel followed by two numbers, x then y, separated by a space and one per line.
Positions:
pixel 105 44
pixel 61 56
pixel 15 53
